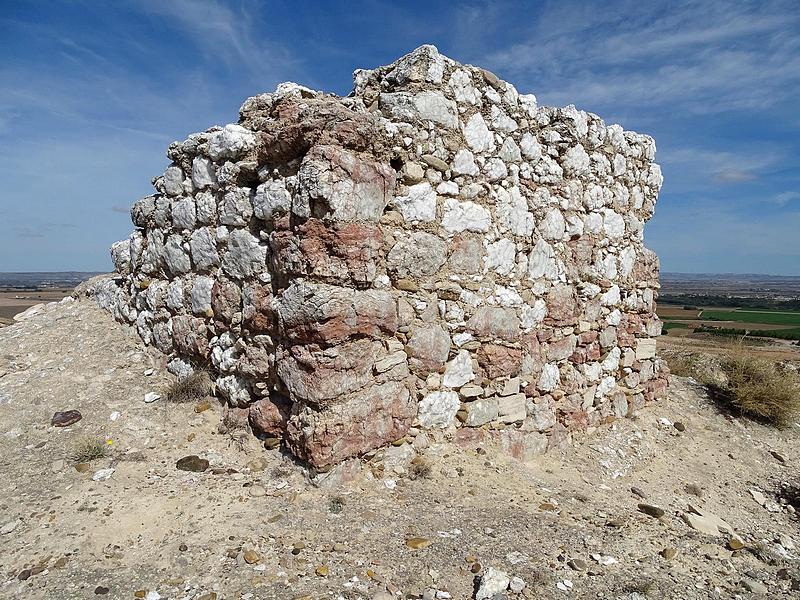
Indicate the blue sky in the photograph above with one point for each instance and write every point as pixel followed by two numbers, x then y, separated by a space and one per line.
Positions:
pixel 92 92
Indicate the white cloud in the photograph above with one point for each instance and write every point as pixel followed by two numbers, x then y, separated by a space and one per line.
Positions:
pixel 692 57
pixel 784 198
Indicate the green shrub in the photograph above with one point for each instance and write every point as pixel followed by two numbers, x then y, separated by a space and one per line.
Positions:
pixel 88 449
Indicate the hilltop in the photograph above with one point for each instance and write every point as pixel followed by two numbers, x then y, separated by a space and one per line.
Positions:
pixel 571 523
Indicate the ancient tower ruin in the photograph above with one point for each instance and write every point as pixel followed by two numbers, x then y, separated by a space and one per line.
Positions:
pixel 434 250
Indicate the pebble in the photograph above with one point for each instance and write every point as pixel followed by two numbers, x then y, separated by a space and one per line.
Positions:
pixel 101 590
pixel 103 474
pixel 251 557
pixel 679 426
pixel 754 586
pixel 669 553
pixel 192 463
pixel 777 456
pixel 604 559
pixel 256 491
pixel 578 564
pixel 418 543
pixel 151 397
pixel 257 465
pixel 322 571
pixel 652 510
pixel 272 442
pixel 202 406
pixel 637 491
pixel 493 581
pixel 736 543
pixel 8 527
pixel 66 418
pixel 516 585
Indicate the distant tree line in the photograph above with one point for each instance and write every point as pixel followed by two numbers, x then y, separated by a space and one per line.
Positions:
pixel 690 301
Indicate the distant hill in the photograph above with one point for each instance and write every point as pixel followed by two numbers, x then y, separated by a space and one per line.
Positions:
pixel 41 280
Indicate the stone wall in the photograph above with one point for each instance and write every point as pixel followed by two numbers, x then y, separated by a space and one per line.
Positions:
pixel 432 254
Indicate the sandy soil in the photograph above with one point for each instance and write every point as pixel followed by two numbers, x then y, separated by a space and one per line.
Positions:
pixel 255 526
pixel 14 301
pixel 774 349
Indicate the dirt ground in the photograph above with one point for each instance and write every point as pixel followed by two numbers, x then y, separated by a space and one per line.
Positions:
pixel 255 526
pixel 774 349
pixel 14 301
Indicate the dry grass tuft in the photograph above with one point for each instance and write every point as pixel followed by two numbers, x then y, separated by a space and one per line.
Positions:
pixel 682 365
pixel 758 388
pixel 88 449
pixel 336 505
pixel 420 469
pixel 191 388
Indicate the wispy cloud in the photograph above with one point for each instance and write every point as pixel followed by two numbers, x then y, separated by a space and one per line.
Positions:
pixel 701 57
pixel 224 32
pixel 785 198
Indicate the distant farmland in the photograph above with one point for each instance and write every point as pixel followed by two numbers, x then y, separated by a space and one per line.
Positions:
pixel 689 320
pixel 752 316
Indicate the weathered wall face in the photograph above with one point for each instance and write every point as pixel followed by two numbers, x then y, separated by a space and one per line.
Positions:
pixel 434 250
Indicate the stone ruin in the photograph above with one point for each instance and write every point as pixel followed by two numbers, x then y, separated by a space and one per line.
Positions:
pixel 432 255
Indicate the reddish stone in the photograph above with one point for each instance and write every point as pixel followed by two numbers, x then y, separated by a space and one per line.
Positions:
pixel 494 322
pixel 190 335
pixel 562 306
pixel 470 437
pixel 256 363
pixel 291 128
pixel 587 337
pixel 318 377
pixel 355 424
pixel 428 347
pixel 310 312
pixel 466 254
pixel 625 339
pixel 655 389
pixel 530 344
pixel 576 421
pixel 559 437
pixel 570 404
pixel 66 418
pixel 562 348
pixel 499 361
pixel 521 445
pixel 338 253
pixel 269 415
pixel 226 300
pixel 580 356
pixel 257 313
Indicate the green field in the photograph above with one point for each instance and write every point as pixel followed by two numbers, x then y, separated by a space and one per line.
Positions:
pixel 752 316
pixel 668 326
pixel 753 322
